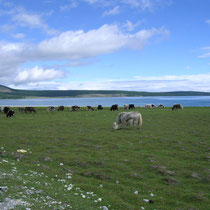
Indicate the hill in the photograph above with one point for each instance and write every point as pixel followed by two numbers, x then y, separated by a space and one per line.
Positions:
pixel 6 93
pixel 4 89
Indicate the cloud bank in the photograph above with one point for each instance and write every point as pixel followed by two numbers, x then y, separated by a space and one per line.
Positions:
pixel 167 83
pixel 70 47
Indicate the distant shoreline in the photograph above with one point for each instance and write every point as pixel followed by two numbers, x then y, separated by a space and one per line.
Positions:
pixel 167 101
pixel 9 93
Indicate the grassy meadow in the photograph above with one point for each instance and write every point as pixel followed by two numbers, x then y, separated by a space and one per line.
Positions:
pixel 76 160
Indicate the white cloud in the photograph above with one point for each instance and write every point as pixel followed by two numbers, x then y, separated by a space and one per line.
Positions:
pixel 133 3
pixel 12 55
pixel 80 44
pixel 166 83
pixel 94 1
pixel 129 26
pixel 72 47
pixel 37 74
pixel 205 48
pixel 207 21
pixel 7 28
pixel 205 55
pixel 91 1
pixel 149 5
pixel 101 3
pixel 113 11
pixel 24 19
pixel 69 6
pixel 146 4
pixel 19 36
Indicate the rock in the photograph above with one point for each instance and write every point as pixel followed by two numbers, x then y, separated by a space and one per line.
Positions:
pixel 146 200
pixel 170 180
pixel 38 191
pixel 166 172
pixel 3 189
pixel 196 176
pixel 158 167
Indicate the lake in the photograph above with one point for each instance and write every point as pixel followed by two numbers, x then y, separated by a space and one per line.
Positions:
pixel 168 101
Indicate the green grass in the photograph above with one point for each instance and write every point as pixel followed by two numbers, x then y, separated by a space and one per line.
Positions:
pixel 168 158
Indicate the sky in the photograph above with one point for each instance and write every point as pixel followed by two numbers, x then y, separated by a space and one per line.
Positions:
pixel 135 45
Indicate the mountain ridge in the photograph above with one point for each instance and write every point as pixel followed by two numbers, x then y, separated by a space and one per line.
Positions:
pixel 6 93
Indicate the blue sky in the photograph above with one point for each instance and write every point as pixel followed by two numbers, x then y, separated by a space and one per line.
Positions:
pixel 141 45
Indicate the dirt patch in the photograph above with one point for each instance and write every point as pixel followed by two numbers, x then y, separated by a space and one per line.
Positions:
pixel 170 181
pixel 96 174
pixel 79 163
pixel 166 172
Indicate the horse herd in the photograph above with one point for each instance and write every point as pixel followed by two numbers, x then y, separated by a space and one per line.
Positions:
pixel 124 119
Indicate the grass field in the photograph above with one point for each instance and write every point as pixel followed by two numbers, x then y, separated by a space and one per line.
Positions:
pixel 75 160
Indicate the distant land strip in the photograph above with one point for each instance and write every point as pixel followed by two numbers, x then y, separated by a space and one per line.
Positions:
pixel 9 93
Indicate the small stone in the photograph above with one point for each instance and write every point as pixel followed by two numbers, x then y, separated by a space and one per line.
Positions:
pixel 196 176
pixel 146 200
pixel 4 189
pixel 38 191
